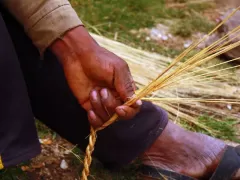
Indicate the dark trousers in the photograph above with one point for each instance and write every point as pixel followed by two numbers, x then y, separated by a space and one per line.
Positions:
pixel 34 87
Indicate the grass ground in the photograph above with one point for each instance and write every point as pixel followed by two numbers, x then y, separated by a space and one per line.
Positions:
pixel 117 19
pixel 113 18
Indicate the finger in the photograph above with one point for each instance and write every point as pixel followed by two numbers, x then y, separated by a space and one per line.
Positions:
pixel 137 104
pixel 125 85
pixel 109 101
pixel 123 81
pixel 126 112
pixel 94 120
pixel 97 106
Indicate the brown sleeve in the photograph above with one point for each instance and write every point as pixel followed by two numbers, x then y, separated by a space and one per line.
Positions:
pixel 44 20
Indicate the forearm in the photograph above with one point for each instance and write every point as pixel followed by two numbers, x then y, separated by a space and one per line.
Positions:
pixel 44 20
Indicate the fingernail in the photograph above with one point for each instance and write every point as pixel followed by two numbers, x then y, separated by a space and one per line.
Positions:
pixel 104 93
pixel 139 102
pixel 94 95
pixel 121 112
pixel 92 115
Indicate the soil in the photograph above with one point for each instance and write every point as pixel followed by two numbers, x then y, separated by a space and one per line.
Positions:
pixel 46 166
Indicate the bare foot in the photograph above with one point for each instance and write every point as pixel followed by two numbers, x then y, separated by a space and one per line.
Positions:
pixel 185 152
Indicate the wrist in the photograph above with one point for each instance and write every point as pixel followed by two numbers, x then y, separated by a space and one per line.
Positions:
pixel 75 41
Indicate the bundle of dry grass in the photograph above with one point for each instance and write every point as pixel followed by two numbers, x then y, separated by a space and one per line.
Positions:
pixel 183 87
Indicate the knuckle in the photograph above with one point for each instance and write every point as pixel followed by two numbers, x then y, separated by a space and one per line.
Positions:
pixel 120 63
pixel 91 121
pixel 109 105
pixel 124 65
pixel 129 86
pixel 95 123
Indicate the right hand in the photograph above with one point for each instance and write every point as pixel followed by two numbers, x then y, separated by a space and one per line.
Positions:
pixel 88 66
pixel 105 104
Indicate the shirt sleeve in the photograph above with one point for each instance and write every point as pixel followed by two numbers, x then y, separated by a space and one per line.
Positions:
pixel 44 20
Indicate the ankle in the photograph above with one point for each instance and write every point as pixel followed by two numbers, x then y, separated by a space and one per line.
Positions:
pixel 185 152
pixel 206 153
pixel 211 153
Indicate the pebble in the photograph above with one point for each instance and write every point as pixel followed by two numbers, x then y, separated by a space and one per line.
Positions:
pixel 64 164
pixel 148 38
pixel 229 106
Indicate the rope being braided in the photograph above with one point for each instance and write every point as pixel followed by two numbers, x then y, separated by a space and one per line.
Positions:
pixel 93 134
pixel 90 148
pixel 88 156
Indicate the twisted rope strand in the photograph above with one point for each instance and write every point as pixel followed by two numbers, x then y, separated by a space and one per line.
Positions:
pixel 90 147
pixel 88 157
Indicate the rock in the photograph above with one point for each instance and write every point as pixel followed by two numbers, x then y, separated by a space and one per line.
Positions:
pixel 148 38
pixel 64 164
pixel 160 32
pixel 229 106
pixel 187 43
pixel 232 23
pixel 133 31
pixel 45 141
pixel 25 168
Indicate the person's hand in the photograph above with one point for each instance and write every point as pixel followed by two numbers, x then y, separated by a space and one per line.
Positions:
pixel 88 66
pixel 105 104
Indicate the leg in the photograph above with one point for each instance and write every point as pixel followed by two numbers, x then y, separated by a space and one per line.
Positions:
pixel 18 136
pixel 53 103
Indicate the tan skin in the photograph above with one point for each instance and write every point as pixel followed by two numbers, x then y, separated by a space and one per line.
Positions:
pixel 88 68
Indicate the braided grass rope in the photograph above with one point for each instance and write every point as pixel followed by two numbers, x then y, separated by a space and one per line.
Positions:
pixel 1 163
pixel 171 76
pixel 88 156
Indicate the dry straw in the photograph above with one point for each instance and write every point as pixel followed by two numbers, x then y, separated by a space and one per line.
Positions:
pixel 188 83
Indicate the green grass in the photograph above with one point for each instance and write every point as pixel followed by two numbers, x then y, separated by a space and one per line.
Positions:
pixel 199 7
pixel 109 17
pixel 43 130
pixel 196 23
pixel 223 129
pixel 14 173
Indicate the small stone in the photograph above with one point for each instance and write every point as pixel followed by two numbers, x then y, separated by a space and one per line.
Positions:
pixel 38 166
pixel 45 141
pixel 164 37
pixel 148 38
pixel 64 164
pixel 25 168
pixel 229 106
pixel 187 44
pixel 133 31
